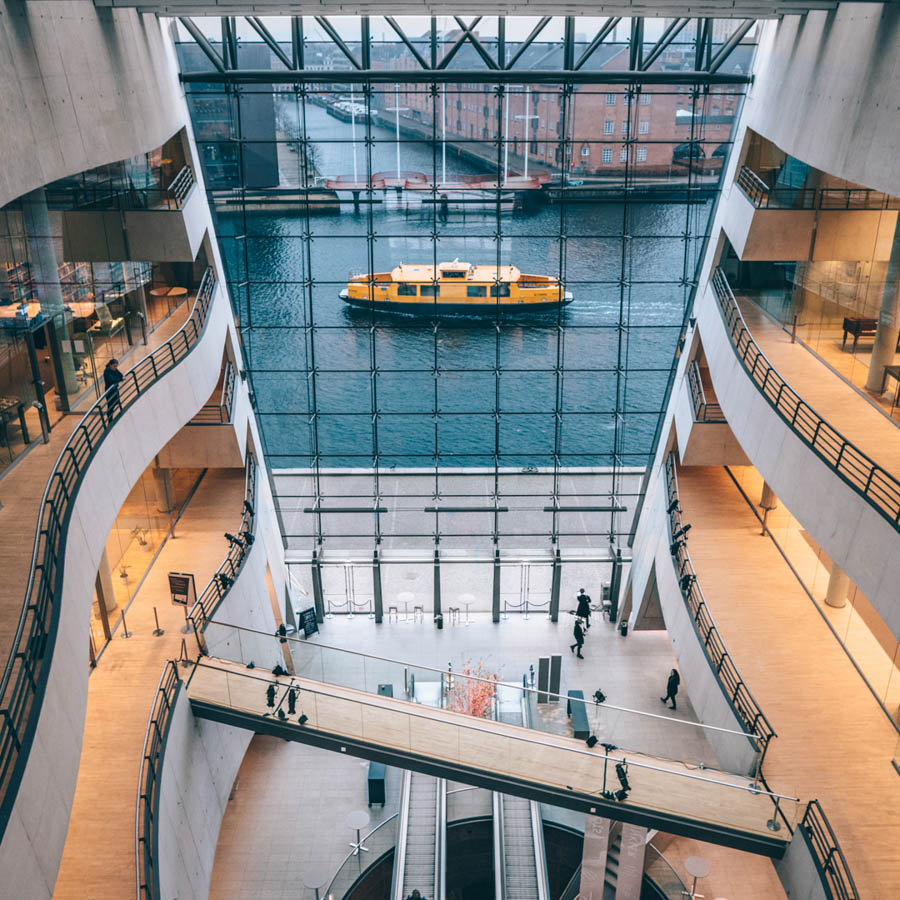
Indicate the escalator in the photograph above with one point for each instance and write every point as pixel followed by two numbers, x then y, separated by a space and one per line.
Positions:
pixel 420 858
pixel 520 866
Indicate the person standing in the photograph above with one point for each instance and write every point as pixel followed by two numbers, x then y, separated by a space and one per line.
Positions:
pixel 578 632
pixel 672 687
pixel 112 378
pixel 584 607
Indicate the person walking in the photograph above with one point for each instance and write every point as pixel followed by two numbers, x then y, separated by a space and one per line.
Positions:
pixel 584 607
pixel 672 687
pixel 112 378
pixel 578 632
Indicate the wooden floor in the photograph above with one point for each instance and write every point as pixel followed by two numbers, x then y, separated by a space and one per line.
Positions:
pixel 562 763
pixel 98 859
pixel 831 397
pixel 21 490
pixel 833 742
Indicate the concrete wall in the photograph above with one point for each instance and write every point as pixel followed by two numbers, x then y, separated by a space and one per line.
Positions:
pixel 840 520
pixel 79 87
pixel 797 871
pixel 199 765
pixel 827 91
pixel 651 552
pixel 33 841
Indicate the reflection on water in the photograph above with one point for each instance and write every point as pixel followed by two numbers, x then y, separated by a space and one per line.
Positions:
pixel 437 388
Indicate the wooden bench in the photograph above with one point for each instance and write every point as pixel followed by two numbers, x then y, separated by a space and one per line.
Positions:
pixel 577 712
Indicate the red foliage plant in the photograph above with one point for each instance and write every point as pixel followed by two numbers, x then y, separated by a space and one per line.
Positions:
pixel 473 695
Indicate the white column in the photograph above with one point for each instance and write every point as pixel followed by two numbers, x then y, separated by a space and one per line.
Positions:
pixel 838 587
pixel 104 585
pixel 593 856
pixel 888 321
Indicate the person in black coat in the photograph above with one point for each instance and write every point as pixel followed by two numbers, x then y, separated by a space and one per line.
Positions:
pixel 112 378
pixel 584 607
pixel 579 638
pixel 672 687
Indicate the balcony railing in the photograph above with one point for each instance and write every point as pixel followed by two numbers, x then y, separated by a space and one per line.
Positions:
pixel 219 413
pixel 830 860
pixel 27 668
pixel 219 585
pixel 108 196
pixel 704 411
pixel 146 836
pixel 764 197
pixel 747 710
pixel 859 471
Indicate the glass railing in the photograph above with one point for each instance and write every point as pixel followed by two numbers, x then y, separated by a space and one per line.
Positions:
pixel 660 736
pixel 662 790
pixel 109 196
pixel 736 691
pixel 858 470
pixel 147 807
pixel 664 877
pixel 380 841
pixel 31 651
pixel 764 197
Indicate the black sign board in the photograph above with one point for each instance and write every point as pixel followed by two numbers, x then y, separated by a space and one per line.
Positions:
pixel 307 621
pixel 181 587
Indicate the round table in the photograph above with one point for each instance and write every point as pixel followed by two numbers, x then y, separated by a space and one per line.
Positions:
pixel 357 820
pixel 316 876
pixel 178 292
pixel 467 600
pixel 697 867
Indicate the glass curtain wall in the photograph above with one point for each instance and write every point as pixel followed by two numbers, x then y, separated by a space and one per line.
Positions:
pixel 511 431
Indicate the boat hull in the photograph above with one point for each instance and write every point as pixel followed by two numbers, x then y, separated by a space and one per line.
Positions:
pixel 454 309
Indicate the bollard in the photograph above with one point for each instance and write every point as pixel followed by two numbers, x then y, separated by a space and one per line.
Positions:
pixel 157 631
pixel 125 632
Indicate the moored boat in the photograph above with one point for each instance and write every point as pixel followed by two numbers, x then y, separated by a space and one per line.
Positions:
pixel 455 288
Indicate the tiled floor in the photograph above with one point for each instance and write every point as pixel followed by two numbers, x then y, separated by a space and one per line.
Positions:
pixel 834 743
pixel 98 860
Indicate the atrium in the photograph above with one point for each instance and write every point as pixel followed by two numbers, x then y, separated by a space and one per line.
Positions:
pixel 449 455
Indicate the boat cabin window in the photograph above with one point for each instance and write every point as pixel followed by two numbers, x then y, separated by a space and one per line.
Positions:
pixel 500 290
pixel 431 290
pixel 453 274
pixel 476 290
pixel 406 290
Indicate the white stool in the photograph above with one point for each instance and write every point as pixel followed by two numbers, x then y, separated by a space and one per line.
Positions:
pixel 358 820
pixel 406 598
pixel 467 600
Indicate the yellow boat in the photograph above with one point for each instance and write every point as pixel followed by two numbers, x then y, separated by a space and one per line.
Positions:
pixel 455 288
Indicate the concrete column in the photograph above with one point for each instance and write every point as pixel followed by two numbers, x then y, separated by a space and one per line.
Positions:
pixel 104 584
pixel 838 587
pixel 768 500
pixel 45 269
pixel 630 873
pixel 165 494
pixel 593 856
pixel 888 320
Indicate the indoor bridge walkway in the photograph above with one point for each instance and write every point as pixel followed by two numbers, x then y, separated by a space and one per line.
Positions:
pixel 710 805
pixel 834 742
pixel 830 396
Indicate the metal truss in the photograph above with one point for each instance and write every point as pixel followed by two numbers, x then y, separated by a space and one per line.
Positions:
pixel 500 59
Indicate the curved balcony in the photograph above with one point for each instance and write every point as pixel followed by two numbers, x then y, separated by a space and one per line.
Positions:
pixel 43 693
pixel 840 494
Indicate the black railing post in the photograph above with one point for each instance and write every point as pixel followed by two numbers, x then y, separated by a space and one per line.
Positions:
pixel 554 585
pixel 495 602
pixel 318 599
pixel 376 587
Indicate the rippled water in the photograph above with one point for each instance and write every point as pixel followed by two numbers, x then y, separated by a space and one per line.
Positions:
pixel 604 366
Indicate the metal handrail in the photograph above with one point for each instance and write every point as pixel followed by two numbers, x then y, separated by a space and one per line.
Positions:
pixel 218 586
pixel 476 724
pixel 28 665
pixel 228 391
pixel 703 410
pixel 736 691
pixel 181 186
pixel 834 871
pixel 353 855
pixel 527 691
pixel 147 806
pixel 856 468
pixel 789 198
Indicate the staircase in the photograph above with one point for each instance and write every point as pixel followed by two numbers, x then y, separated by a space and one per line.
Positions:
pixel 421 836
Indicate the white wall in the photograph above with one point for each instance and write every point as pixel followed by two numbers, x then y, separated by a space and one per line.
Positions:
pixel 79 88
pixel 33 841
pixel 827 89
